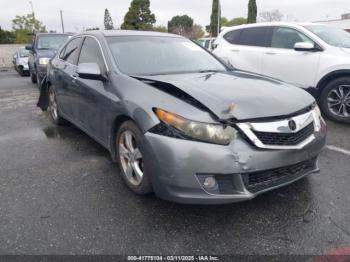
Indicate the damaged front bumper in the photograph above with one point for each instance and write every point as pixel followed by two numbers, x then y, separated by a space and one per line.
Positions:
pixel 179 168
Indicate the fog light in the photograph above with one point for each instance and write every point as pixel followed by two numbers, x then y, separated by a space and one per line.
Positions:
pixel 209 182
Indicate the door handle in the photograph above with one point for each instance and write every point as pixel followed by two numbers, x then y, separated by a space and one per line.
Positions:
pixel 235 50
pixel 270 53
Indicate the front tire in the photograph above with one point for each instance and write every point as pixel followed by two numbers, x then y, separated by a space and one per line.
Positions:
pixel 130 158
pixel 335 100
pixel 53 108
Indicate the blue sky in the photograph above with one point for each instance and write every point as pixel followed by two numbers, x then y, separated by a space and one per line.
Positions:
pixel 80 14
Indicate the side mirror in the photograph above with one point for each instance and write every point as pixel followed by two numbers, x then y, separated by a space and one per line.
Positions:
pixel 304 46
pixel 90 71
pixel 29 47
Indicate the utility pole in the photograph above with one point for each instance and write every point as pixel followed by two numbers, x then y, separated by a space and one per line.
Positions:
pixel 219 17
pixel 62 21
pixel 31 5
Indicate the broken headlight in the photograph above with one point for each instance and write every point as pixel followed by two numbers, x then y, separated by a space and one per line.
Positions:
pixel 319 121
pixel 211 133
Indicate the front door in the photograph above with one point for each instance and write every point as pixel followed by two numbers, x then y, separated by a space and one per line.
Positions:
pixel 281 61
pixel 93 95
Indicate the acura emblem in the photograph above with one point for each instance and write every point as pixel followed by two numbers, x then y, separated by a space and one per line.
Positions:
pixel 292 125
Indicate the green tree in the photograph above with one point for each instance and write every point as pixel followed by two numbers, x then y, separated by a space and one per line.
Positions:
pixel 214 19
pixel 180 25
pixel 6 37
pixel 139 16
pixel 252 11
pixel 234 22
pixel 24 26
pixel 108 22
pixel 196 32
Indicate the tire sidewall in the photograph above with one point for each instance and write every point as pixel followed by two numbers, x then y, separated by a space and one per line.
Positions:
pixel 324 96
pixel 59 120
pixel 33 78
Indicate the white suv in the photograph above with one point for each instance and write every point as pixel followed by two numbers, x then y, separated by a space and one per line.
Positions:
pixel 315 57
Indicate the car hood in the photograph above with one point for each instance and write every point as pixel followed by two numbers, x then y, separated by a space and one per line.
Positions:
pixel 237 95
pixel 46 53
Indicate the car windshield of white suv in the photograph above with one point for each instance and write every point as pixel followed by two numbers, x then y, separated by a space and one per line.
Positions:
pixel 136 55
pixel 332 36
pixel 51 41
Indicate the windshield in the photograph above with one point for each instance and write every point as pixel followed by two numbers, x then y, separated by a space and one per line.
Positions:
pixel 51 41
pixel 332 36
pixel 23 52
pixel 140 55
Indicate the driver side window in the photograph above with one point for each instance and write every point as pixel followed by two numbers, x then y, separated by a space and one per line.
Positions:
pixel 286 38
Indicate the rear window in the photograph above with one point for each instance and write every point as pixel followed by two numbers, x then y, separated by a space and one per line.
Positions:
pixel 233 36
pixel 258 36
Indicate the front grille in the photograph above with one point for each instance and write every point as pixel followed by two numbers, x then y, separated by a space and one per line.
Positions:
pixel 258 181
pixel 285 139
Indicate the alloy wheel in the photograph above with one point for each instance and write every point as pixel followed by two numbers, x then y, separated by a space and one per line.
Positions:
pixel 339 101
pixel 130 158
pixel 53 105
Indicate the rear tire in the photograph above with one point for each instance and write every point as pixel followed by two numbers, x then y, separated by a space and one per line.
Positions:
pixel 129 153
pixel 335 100
pixel 21 71
pixel 33 77
pixel 53 109
pixel 38 81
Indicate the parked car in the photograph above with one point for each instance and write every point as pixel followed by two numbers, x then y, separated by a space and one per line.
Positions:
pixel 43 48
pixel 207 42
pixel 20 61
pixel 178 121
pixel 315 57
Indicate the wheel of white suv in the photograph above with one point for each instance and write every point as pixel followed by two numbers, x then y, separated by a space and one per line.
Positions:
pixel 53 108
pixel 130 158
pixel 335 100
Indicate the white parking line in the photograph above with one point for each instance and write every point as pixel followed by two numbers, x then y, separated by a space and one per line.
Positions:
pixel 339 150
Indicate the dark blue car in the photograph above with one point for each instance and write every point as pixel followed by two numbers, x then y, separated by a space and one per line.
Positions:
pixel 44 47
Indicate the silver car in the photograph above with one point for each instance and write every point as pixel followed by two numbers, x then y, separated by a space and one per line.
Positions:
pixel 20 61
pixel 179 122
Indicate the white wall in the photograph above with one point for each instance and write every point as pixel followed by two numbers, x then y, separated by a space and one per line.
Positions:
pixel 6 54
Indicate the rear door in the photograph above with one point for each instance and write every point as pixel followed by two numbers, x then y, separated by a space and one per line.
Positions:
pixel 281 61
pixel 67 95
pixel 246 47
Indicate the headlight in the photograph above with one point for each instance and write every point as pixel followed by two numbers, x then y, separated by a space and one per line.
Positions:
pixel 211 133
pixel 44 60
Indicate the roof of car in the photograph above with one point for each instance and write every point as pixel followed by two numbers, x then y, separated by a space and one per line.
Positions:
pixel 294 24
pixel 127 33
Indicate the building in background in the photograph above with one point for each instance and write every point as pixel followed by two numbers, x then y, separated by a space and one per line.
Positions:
pixel 343 23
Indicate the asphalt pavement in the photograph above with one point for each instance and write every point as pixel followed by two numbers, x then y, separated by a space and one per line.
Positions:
pixel 60 193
